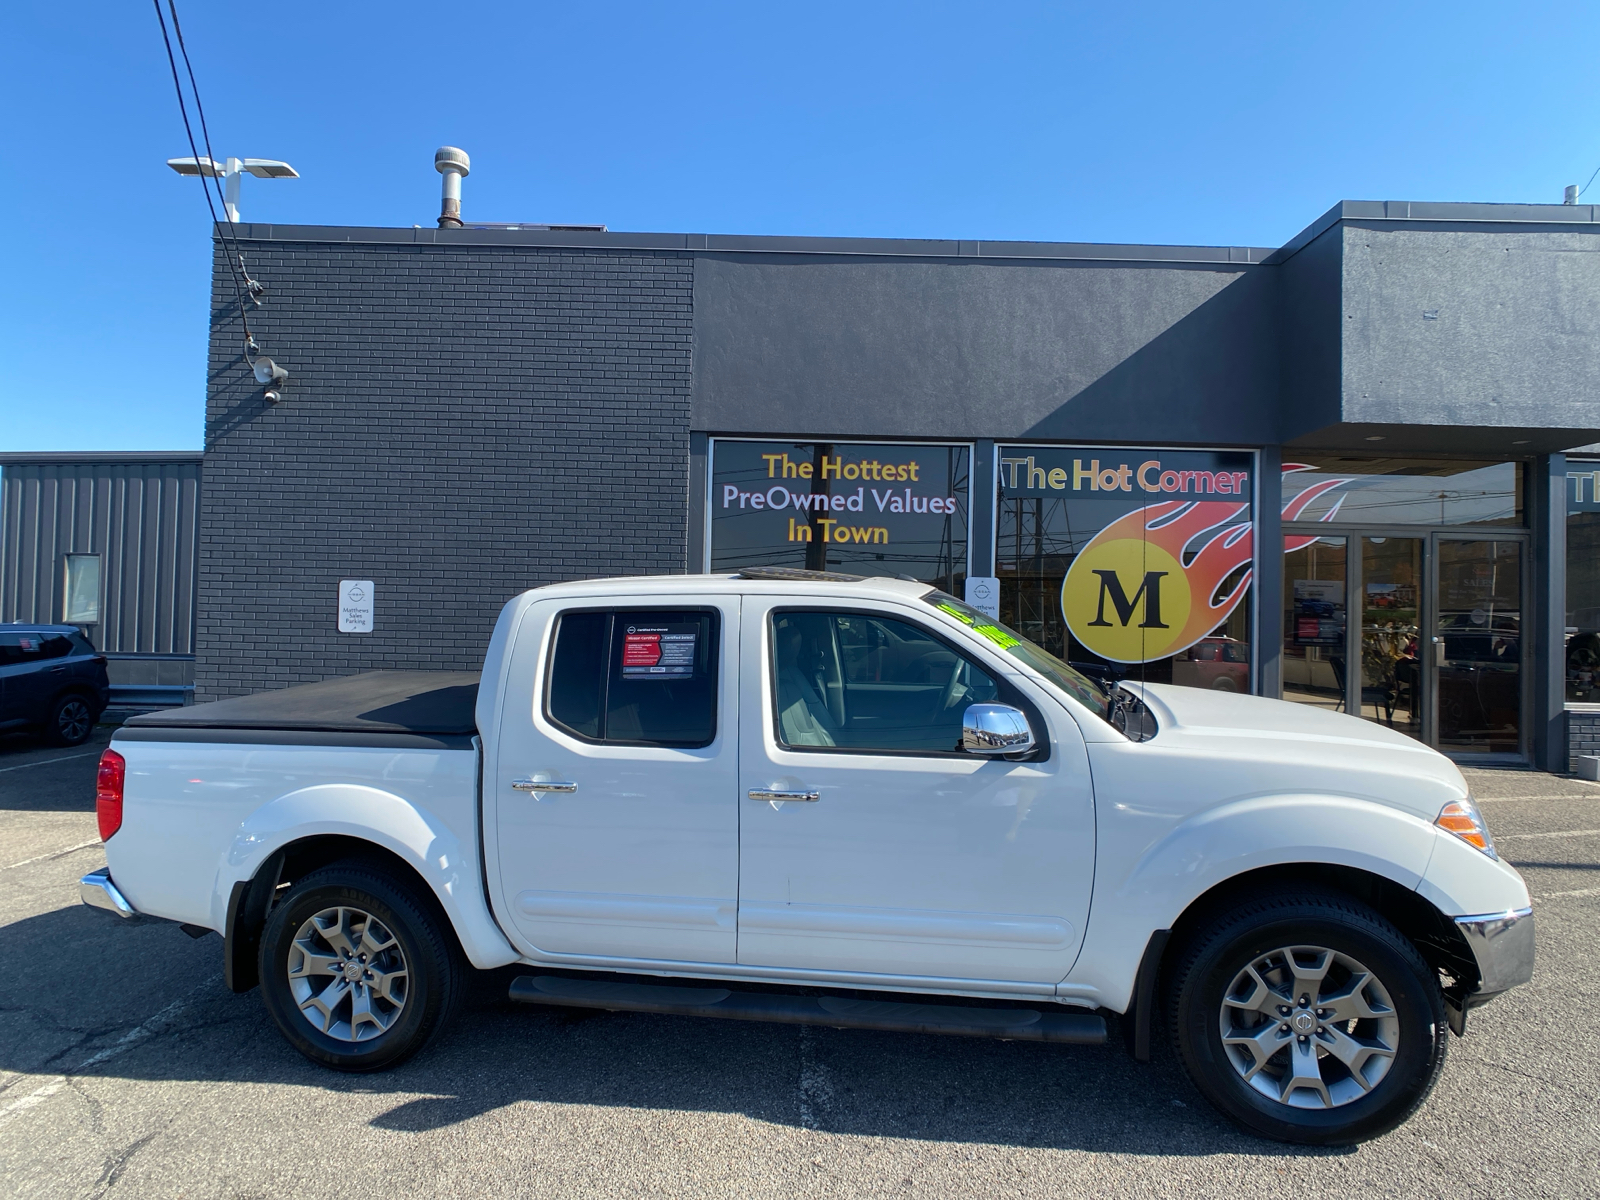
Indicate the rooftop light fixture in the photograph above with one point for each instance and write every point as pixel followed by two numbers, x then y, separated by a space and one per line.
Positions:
pixel 229 171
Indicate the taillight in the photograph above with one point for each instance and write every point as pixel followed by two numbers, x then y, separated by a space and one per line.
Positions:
pixel 108 793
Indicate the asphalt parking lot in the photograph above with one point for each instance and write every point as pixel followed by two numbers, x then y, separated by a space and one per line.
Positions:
pixel 126 1068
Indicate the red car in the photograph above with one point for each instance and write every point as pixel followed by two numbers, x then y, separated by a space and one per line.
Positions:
pixel 1219 663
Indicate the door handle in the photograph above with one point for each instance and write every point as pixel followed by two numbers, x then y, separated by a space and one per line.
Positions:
pixel 783 794
pixel 542 785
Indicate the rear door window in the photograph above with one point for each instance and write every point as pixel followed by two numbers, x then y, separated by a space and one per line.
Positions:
pixel 642 677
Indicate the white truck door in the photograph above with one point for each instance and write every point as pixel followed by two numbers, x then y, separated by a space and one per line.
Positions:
pixel 614 791
pixel 915 859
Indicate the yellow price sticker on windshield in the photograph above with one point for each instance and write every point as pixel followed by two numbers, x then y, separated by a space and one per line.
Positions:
pixel 992 633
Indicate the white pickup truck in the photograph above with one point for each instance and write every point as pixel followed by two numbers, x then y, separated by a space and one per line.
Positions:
pixel 868 800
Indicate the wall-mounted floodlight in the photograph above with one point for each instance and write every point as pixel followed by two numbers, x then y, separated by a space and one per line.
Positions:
pixel 271 376
pixel 230 171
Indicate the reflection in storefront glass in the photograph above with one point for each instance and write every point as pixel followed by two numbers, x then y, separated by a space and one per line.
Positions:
pixel 884 509
pixel 1583 582
pixel 1404 491
pixel 1130 563
pixel 1315 629
pixel 1391 610
pixel 1480 647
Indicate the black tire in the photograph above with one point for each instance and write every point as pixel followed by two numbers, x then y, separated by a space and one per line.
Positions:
pixel 1241 935
pixel 434 970
pixel 71 720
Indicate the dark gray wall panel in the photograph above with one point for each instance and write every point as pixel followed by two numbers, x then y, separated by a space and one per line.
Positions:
pixel 1311 315
pixel 1514 339
pixel 460 424
pixel 139 517
pixel 968 349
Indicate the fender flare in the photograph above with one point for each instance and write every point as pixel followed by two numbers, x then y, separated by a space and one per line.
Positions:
pixel 383 819
pixel 1210 847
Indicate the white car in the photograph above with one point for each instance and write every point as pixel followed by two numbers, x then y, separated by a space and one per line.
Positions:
pixel 861 790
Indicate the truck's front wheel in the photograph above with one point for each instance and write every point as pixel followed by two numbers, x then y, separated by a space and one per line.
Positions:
pixel 357 972
pixel 1308 1018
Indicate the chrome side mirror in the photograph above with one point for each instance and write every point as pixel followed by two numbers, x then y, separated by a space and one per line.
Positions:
pixel 996 729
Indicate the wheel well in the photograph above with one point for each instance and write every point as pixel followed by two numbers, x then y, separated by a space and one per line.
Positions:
pixel 75 689
pixel 253 899
pixel 1434 934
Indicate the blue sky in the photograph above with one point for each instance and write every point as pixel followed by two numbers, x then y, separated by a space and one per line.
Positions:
pixel 1188 123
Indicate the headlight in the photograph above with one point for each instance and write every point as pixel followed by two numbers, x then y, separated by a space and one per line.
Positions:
pixel 1462 818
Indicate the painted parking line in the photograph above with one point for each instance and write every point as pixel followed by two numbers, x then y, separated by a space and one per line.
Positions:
pixel 1525 799
pixel 1511 837
pixel 139 1033
pixel 54 854
pixel 45 762
pixel 1594 891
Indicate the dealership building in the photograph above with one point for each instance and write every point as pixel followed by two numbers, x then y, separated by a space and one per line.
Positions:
pixel 1349 471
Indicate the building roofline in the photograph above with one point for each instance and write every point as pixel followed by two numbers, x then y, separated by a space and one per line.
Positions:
pixel 1424 212
pixel 1400 212
pixel 716 243
pixel 19 458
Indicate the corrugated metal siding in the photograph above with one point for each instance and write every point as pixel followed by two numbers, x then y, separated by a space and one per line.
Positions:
pixel 139 517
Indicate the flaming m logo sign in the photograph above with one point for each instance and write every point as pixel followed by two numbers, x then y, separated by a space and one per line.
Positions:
pixel 1157 580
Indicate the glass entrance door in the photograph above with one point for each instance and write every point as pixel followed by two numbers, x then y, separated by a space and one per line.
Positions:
pixel 1477 646
pixel 1432 646
pixel 1390 599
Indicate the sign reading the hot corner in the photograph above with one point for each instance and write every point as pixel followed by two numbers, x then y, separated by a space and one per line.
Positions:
pixel 1153 546
pixel 874 509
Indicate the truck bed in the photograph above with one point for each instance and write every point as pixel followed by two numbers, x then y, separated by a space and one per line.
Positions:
pixel 431 709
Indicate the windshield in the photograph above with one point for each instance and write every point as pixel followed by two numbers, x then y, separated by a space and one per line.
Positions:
pixel 1080 687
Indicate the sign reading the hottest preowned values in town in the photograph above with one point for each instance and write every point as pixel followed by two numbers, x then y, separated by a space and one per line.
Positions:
pixel 879 509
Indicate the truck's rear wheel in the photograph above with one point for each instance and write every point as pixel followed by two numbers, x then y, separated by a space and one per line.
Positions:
pixel 1307 1017
pixel 358 973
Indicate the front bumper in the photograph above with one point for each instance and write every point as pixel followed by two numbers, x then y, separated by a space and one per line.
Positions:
pixel 1502 945
pixel 97 891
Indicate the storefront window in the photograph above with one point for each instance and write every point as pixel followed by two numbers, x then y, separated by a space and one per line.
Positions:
pixel 1315 624
pixel 1130 563
pixel 871 509
pixel 1583 581
pixel 1360 490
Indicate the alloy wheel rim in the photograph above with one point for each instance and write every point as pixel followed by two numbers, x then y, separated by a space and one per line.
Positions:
pixel 1309 1027
pixel 73 719
pixel 348 974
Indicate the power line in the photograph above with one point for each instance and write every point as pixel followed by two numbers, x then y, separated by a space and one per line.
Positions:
pixel 1585 187
pixel 183 110
pixel 205 136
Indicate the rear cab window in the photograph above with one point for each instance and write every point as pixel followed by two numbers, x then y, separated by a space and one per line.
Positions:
pixel 635 677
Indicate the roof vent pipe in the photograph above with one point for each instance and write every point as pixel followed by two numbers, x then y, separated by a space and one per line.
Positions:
pixel 1571 196
pixel 453 164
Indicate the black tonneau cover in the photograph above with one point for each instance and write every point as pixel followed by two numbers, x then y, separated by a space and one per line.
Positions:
pixel 435 706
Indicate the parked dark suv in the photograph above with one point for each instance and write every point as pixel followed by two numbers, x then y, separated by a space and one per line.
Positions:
pixel 51 681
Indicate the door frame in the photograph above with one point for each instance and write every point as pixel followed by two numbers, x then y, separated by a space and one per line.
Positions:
pixel 1428 620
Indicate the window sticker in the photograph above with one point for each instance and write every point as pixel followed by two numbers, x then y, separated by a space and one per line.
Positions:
pixel 659 651
pixel 993 633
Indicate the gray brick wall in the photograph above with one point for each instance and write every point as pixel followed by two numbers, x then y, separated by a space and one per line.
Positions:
pixel 1583 736
pixel 459 424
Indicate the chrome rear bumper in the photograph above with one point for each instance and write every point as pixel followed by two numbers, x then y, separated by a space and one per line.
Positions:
pixel 1502 944
pixel 97 891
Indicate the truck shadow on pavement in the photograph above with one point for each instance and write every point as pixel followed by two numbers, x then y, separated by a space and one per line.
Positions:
pixel 76 982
